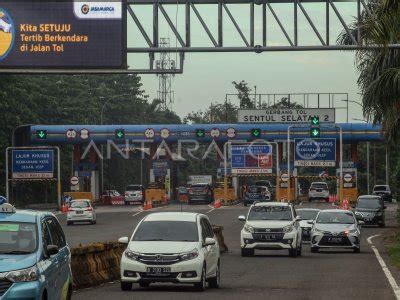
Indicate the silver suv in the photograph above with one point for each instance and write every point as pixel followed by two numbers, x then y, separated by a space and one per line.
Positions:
pixel 318 191
pixel 271 226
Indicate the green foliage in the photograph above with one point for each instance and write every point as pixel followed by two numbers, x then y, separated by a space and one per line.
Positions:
pixel 379 69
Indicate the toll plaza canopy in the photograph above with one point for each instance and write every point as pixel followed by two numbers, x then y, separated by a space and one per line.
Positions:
pixel 100 134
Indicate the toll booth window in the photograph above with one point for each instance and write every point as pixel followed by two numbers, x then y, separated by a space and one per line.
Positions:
pixel 17 238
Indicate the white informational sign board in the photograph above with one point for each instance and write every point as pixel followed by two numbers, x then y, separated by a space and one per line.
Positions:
pixel 286 115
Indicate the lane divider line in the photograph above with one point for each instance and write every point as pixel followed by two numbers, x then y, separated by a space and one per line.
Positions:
pixel 210 210
pixel 139 212
pixel 384 267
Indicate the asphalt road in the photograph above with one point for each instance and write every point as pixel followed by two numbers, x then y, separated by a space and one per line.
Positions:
pixel 270 274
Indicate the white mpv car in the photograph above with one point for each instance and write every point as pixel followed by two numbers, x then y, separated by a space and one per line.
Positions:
pixel 175 247
pixel 271 226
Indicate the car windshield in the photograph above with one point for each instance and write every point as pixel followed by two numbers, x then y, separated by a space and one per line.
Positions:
pixel 338 217
pixel 254 189
pixel 273 213
pixel 264 183
pixel 380 188
pixel 319 186
pixel 368 203
pixel 80 204
pixel 184 231
pixel 307 214
pixel 18 238
pixel 134 188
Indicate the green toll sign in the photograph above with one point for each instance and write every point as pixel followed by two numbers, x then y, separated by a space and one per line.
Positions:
pixel 200 133
pixel 120 133
pixel 41 134
pixel 255 132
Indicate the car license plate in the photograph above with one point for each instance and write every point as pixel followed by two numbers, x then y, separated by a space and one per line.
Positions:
pixel 158 270
pixel 335 240
pixel 268 237
pixel 79 212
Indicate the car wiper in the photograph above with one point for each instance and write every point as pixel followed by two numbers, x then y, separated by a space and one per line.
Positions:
pixel 16 252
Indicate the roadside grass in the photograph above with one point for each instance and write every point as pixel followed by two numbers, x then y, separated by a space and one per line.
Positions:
pixel 392 242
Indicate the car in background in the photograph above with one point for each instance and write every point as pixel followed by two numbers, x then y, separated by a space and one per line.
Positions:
pixel 256 193
pixel 336 228
pixel 383 191
pixel 35 260
pixel 270 187
pixel 81 210
pixel 371 210
pixel 200 192
pixel 134 193
pixel 318 191
pixel 307 214
pixel 271 226
pixel 175 247
pixel 110 196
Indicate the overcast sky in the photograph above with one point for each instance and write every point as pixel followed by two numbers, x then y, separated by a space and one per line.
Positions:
pixel 207 77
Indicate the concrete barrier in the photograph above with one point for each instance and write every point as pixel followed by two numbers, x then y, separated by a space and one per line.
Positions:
pixel 98 263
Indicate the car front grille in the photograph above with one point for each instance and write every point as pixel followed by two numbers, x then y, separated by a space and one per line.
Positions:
pixel 306 233
pixel 5 284
pixel 166 277
pixel 159 259
pixel 267 230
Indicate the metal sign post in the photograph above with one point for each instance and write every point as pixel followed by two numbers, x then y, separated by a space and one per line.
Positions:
pixel 45 177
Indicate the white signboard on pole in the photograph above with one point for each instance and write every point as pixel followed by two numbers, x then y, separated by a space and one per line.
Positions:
pixel 286 115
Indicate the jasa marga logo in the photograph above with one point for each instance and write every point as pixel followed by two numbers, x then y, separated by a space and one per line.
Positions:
pixel 7 33
pixel 85 9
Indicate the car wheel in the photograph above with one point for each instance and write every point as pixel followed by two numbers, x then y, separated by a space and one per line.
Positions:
pixel 69 294
pixel 293 252
pixel 69 223
pixel 357 250
pixel 201 286
pixel 245 204
pixel 214 281
pixel 247 252
pixel 314 249
pixel 126 286
pixel 382 224
pixel 144 284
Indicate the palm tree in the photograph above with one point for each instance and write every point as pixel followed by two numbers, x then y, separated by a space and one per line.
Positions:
pixel 379 69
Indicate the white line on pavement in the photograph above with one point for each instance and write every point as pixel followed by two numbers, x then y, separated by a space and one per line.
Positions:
pixel 210 210
pixel 139 212
pixel 385 269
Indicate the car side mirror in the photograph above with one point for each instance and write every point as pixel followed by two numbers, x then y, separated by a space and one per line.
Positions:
pixel 311 222
pixel 361 222
pixel 242 218
pixel 209 242
pixel 51 250
pixel 298 218
pixel 123 240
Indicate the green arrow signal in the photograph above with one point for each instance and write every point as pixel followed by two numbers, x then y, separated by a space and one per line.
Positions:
pixel 120 133
pixel 315 120
pixel 255 132
pixel 315 132
pixel 41 134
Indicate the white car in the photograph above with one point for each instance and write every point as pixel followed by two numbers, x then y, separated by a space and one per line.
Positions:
pixel 319 191
pixel 81 210
pixel 271 226
pixel 134 193
pixel 175 247
pixel 307 214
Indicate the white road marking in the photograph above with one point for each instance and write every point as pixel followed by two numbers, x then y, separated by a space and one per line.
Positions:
pixel 385 269
pixel 139 212
pixel 210 210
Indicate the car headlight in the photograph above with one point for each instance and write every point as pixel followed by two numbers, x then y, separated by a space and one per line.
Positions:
pixel 131 255
pixel 248 228
pixel 23 275
pixel 288 228
pixel 318 230
pixel 352 231
pixel 190 255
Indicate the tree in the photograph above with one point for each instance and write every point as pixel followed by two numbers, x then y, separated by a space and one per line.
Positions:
pixel 285 103
pixel 379 69
pixel 244 94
